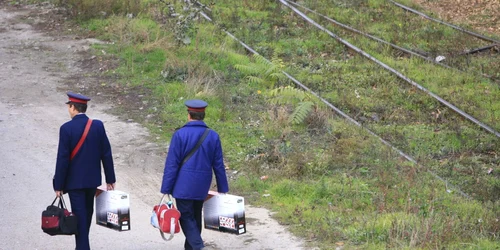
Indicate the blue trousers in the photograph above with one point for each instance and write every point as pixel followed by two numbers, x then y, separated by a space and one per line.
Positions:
pixel 82 205
pixel 191 222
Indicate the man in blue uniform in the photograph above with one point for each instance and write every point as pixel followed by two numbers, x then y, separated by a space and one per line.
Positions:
pixel 78 166
pixel 188 181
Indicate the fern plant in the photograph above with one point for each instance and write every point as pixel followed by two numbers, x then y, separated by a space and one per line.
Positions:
pixel 263 72
pixel 289 95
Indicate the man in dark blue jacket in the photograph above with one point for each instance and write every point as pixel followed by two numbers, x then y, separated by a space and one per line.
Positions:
pixel 189 183
pixel 78 172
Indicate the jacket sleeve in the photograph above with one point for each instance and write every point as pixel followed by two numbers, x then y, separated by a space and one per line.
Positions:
pixel 219 169
pixel 107 158
pixel 63 158
pixel 172 164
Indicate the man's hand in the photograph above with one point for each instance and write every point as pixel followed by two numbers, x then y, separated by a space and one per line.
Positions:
pixel 110 186
pixel 59 193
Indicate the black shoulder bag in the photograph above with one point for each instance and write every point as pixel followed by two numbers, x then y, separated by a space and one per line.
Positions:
pixel 200 141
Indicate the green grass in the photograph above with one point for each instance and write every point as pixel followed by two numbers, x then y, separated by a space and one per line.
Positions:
pixel 330 181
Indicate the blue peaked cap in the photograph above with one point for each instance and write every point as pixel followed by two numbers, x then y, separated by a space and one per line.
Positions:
pixel 77 98
pixel 196 105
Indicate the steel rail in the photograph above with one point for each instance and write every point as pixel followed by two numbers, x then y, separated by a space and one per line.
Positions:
pixel 391 44
pixel 371 36
pixel 396 46
pixel 397 73
pixel 494 46
pixel 202 5
pixel 445 23
pixel 344 115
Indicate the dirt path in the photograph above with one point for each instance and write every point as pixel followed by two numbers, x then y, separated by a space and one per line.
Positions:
pixel 34 72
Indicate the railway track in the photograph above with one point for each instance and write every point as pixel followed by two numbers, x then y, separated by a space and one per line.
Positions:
pixel 418 54
pixel 392 70
pixel 347 116
pixel 480 36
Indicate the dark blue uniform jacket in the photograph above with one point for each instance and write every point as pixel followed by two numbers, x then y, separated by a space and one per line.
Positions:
pixel 84 171
pixel 192 181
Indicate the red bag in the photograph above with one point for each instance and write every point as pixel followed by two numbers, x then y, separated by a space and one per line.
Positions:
pixel 57 220
pixel 167 217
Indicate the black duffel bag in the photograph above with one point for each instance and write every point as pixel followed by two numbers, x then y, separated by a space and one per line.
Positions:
pixel 57 220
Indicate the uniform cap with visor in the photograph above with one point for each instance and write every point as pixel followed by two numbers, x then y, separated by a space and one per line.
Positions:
pixel 77 98
pixel 196 105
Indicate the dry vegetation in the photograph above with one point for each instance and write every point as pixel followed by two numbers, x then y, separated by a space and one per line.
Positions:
pixel 481 15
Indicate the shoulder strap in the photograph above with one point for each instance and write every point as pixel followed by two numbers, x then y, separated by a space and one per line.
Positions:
pixel 200 141
pixel 82 139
